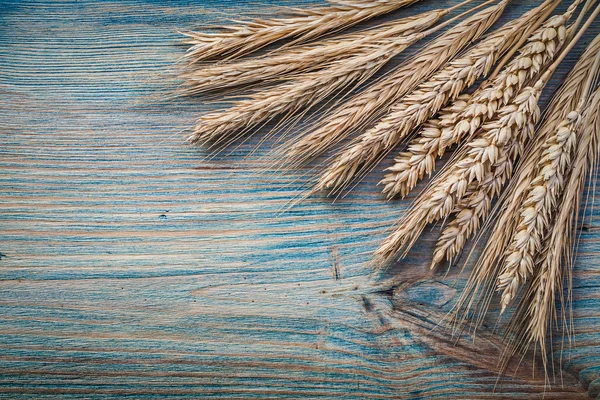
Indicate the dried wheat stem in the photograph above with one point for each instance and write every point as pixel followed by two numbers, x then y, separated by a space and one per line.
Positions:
pixel 513 121
pixel 481 283
pixel 454 236
pixel 501 138
pixel 309 89
pixel 310 57
pixel 418 106
pixel 472 210
pixel 535 213
pixel 418 160
pixel 238 40
pixel 558 249
pixel 523 256
pixel 452 125
pixel 369 105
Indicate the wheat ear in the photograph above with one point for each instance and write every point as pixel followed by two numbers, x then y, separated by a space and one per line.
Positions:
pixel 463 228
pixel 417 107
pixel 482 280
pixel 472 209
pixel 469 215
pixel 558 250
pixel 419 158
pixel 467 116
pixel 290 61
pixel 479 159
pixel 291 96
pixel 307 89
pixel 238 40
pixel 535 211
pixel 543 194
pixel 537 309
pixel 359 111
pixel 532 321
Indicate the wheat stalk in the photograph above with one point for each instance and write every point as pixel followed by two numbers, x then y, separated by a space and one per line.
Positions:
pixel 558 250
pixel 417 107
pixel 452 125
pixel 472 209
pixel 463 228
pixel 480 156
pixel 540 201
pixel 290 61
pixel 418 160
pixel 369 105
pixel 238 40
pixel 289 97
pixel 311 88
pixel 535 212
pixel 482 280
pixel 305 90
pixel 531 322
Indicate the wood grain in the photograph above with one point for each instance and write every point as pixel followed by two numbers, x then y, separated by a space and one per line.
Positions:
pixel 131 266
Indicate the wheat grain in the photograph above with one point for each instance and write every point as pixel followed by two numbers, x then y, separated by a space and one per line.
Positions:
pixel 482 280
pixel 558 250
pixel 238 40
pixel 418 106
pixel 472 209
pixel 293 60
pixel 312 87
pixel 463 228
pixel 369 105
pixel 307 89
pixel 452 126
pixel 513 120
pixel 419 158
pixel 535 212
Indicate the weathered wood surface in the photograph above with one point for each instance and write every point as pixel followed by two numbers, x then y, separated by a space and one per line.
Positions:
pixel 130 266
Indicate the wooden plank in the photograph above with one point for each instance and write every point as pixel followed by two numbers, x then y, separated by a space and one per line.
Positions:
pixel 131 266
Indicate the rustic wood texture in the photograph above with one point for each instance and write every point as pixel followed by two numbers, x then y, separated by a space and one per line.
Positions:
pixel 131 266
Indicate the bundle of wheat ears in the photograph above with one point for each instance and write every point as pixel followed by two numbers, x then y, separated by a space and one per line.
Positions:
pixel 516 179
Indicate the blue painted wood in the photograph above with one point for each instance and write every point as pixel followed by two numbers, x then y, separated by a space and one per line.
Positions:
pixel 131 266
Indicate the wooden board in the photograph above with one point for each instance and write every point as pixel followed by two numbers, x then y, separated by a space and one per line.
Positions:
pixel 131 266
